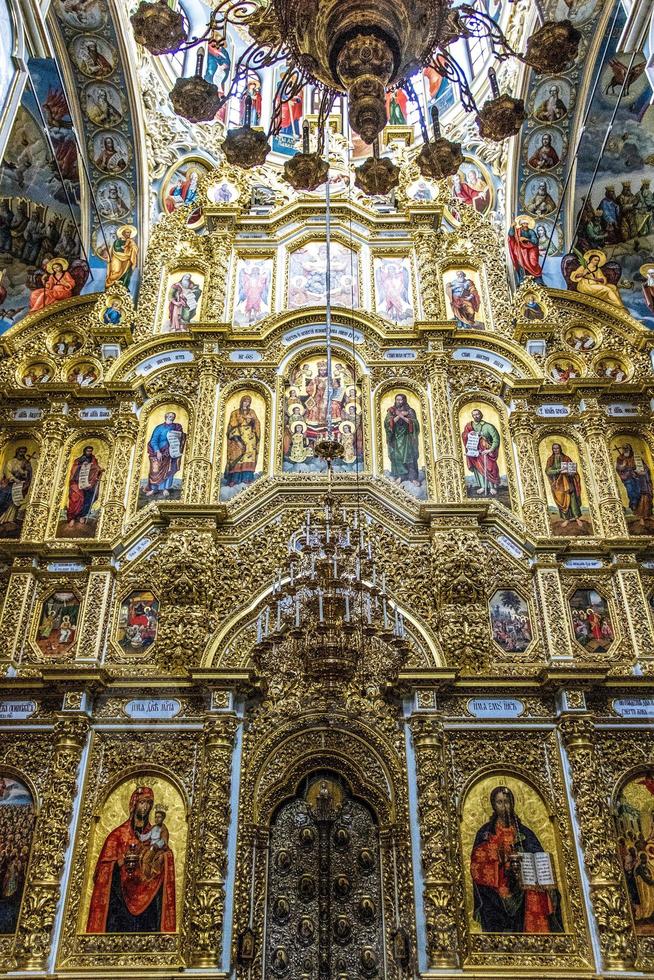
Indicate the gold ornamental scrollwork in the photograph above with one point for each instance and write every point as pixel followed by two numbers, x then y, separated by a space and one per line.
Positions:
pixel 608 890
pixel 43 885
pixel 435 844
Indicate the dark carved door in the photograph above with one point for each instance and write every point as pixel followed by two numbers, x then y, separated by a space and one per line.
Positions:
pixel 324 911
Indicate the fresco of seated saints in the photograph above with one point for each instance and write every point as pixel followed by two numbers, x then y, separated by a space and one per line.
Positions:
pixel 134 878
pixel 502 900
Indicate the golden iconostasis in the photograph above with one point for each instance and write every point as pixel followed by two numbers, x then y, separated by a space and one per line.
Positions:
pixel 157 462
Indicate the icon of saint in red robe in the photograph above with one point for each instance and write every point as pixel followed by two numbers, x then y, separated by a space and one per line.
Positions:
pixel 134 878
pixel 502 902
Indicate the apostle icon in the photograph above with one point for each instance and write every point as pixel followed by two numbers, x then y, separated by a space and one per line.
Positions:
pixel 81 507
pixel 342 886
pixel 513 876
pixel 481 441
pixel 633 467
pixel 462 292
pixel 341 838
pixel 306 930
pixel 342 929
pixel 281 909
pixel 524 248
pixel 183 303
pixel 366 910
pixel 243 440
pixel 279 961
pixel 403 445
pixel 307 888
pixel 163 464
pixel 565 489
pixel 366 860
pixel 15 482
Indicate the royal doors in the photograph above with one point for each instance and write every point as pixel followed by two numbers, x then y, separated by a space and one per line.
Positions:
pixel 324 916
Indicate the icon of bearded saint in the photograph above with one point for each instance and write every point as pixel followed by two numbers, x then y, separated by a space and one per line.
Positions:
pixel 125 898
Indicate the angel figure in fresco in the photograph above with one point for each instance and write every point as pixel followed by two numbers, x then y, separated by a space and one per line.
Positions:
pixel 565 484
pixel 393 286
pixel 464 299
pixel 502 902
pixel 243 440
pixel 481 442
pixel 253 292
pixel 134 888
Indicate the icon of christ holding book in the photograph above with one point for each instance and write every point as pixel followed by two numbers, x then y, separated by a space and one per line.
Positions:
pixel 513 878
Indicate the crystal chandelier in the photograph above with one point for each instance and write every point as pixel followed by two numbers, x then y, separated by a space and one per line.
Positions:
pixel 365 50
pixel 329 605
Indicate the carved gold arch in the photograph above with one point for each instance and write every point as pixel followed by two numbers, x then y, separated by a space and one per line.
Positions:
pixel 230 648
pixel 370 755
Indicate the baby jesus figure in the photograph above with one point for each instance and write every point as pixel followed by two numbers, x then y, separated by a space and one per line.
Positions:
pixel 157 837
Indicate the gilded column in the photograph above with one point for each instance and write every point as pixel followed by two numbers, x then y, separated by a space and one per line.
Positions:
pixel 609 509
pixel 55 425
pixel 96 611
pixel 448 464
pixel 635 607
pixel 534 506
pixel 218 248
pixel 425 243
pixel 200 466
pixel 43 885
pixel 17 609
pixel 207 915
pixel 552 603
pixel 435 843
pixel 608 891
pixel 125 430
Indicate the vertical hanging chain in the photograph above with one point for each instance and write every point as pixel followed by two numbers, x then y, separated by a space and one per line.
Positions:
pixel 328 305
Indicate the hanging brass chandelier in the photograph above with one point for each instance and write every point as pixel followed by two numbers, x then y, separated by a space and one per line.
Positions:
pixel 329 613
pixel 361 49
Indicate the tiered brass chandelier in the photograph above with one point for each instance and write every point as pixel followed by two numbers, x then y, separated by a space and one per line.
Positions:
pixel 330 610
pixel 361 48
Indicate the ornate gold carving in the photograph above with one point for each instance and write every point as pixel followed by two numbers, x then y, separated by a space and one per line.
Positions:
pixel 461 600
pixel 207 918
pixel 436 837
pixel 608 891
pixel 43 885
